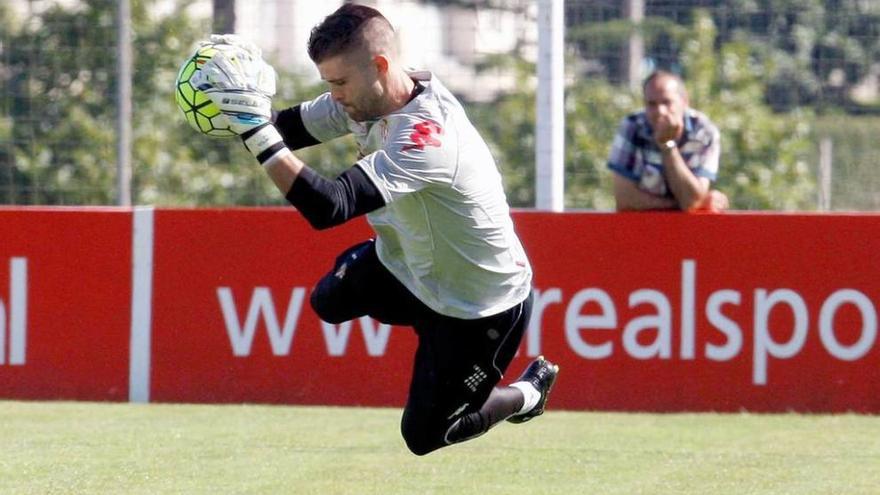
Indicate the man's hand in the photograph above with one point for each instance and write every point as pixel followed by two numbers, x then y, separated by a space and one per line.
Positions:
pixel 714 201
pixel 240 83
pixel 236 41
pixel 667 129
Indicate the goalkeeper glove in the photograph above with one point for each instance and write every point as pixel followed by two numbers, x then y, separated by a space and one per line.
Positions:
pixel 241 84
pixel 233 40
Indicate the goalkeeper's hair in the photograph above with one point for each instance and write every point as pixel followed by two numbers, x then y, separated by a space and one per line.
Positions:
pixel 350 28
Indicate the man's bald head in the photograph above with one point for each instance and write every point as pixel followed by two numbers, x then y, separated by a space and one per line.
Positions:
pixel 352 29
pixel 666 104
pixel 662 79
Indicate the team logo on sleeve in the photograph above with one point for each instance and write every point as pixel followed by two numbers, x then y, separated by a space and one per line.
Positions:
pixel 424 134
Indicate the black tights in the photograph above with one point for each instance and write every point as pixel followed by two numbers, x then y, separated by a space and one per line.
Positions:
pixel 502 403
pixel 453 394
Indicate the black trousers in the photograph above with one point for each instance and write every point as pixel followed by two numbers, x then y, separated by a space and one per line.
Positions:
pixel 458 362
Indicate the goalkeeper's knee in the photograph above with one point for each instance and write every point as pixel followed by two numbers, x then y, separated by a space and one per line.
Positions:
pixel 420 434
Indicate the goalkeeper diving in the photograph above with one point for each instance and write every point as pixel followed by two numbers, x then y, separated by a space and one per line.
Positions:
pixel 445 259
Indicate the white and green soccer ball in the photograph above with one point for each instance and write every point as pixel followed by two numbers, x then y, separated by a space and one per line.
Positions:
pixel 201 113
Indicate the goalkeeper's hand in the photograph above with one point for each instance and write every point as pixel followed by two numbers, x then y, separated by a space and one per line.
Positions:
pixel 235 41
pixel 241 84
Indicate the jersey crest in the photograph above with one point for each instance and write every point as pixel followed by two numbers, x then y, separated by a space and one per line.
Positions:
pixel 425 133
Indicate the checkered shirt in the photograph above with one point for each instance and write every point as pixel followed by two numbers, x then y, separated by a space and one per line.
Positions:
pixel 636 156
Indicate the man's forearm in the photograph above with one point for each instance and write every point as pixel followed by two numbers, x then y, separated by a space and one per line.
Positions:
pixel 323 202
pixel 630 198
pixel 686 187
pixel 645 201
pixel 284 171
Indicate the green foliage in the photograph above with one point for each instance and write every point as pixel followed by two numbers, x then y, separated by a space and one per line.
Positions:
pixel 855 182
pixel 763 154
pixel 58 139
pixel 508 126
pixel 173 164
pixel 178 166
pixel 818 49
pixel 814 51
pixel 604 42
pixel 57 113
pixel 593 109
pixel 54 97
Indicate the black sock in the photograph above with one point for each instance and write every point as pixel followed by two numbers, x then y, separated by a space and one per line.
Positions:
pixel 502 403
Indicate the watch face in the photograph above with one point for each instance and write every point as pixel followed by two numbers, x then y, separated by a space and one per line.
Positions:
pixel 669 144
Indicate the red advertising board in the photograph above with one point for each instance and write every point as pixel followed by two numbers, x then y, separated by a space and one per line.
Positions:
pixel 64 303
pixel 232 321
pixel 671 312
pixel 651 311
pixel 658 311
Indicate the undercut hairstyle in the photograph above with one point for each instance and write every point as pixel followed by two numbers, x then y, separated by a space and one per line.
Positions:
pixel 352 27
pixel 657 74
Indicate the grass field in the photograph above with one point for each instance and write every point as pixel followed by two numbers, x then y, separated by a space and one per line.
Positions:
pixel 59 447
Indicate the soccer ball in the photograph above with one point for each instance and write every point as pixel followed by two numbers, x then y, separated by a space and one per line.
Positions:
pixel 201 113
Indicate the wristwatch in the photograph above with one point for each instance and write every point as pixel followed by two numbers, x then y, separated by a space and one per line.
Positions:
pixel 669 145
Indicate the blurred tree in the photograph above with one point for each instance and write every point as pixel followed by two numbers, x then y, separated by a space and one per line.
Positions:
pixel 812 51
pixel 60 133
pixel 763 153
pixel 57 141
pixel 508 126
pixel 593 110
pixel 512 5
pixel 57 144
pixel 224 16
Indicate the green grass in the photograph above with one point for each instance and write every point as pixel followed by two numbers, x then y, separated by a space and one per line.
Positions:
pixel 59 447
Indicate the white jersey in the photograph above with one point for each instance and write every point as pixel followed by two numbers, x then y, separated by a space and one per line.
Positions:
pixel 446 231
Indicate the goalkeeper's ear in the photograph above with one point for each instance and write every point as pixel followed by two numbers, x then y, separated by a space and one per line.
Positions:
pixel 382 63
